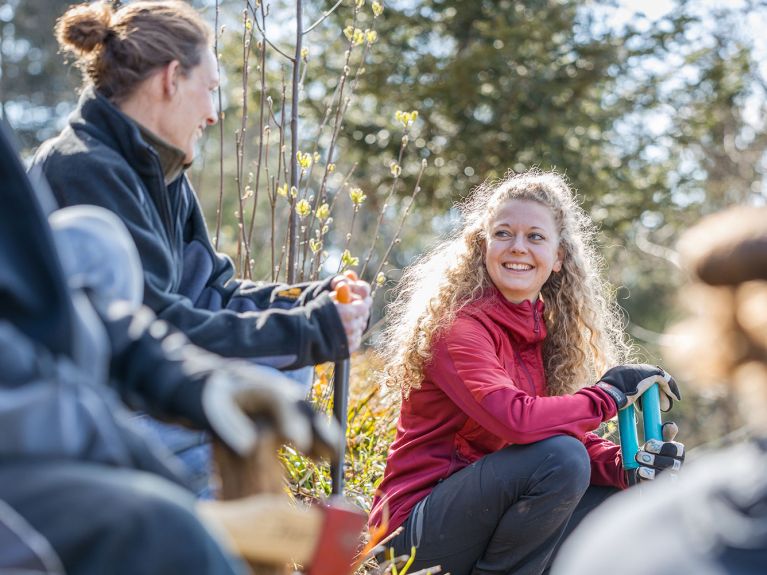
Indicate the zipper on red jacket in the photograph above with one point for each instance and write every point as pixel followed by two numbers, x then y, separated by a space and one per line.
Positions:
pixel 536 320
pixel 522 364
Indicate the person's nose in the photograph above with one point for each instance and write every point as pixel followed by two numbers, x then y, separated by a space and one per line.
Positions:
pixel 212 113
pixel 518 244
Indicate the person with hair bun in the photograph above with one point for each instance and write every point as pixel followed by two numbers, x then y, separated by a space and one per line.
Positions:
pixel 713 520
pixel 495 339
pixel 149 73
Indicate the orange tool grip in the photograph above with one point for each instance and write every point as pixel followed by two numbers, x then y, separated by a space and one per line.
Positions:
pixel 351 275
pixel 344 293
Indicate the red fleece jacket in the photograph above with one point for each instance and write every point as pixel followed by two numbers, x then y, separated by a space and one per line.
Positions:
pixel 485 389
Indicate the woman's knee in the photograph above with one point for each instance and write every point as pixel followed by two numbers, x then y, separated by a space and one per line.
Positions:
pixel 566 460
pixel 559 462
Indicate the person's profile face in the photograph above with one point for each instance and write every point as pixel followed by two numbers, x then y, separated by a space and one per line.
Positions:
pixel 192 108
pixel 522 249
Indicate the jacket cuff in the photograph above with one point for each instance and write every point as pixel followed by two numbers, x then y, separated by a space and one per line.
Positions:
pixel 186 403
pixel 615 394
pixel 331 325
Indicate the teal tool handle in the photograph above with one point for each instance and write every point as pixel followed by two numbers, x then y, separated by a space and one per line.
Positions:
pixel 629 441
pixel 653 426
pixel 627 429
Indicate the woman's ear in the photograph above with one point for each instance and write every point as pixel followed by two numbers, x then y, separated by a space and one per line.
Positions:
pixel 557 267
pixel 170 77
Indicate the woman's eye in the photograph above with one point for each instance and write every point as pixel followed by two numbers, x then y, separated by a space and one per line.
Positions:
pixel 536 236
pixel 502 234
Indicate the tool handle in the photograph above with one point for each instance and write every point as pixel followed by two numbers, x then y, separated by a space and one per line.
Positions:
pixel 341 396
pixel 629 440
pixel 653 426
pixel 651 418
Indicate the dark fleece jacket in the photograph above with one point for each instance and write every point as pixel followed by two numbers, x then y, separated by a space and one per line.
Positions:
pixel 100 158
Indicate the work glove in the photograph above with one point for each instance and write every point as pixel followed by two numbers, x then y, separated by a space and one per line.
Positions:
pixel 626 384
pixel 658 456
pixel 238 399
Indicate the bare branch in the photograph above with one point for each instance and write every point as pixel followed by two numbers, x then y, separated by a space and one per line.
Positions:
pixel 263 33
pixel 323 17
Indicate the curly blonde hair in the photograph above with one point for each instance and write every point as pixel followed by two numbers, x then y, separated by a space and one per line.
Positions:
pixel 585 334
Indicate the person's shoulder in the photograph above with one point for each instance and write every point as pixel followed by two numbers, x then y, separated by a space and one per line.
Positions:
pixel 470 323
pixel 79 153
pixel 475 314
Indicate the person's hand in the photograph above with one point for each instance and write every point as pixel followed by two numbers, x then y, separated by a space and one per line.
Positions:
pixel 353 302
pixel 626 384
pixel 359 288
pixel 658 456
pixel 237 398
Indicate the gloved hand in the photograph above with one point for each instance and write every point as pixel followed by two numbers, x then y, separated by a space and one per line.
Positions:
pixel 626 384
pixel 657 456
pixel 235 398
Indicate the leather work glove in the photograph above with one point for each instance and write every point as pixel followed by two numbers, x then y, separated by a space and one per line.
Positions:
pixel 626 384
pixel 236 398
pixel 658 456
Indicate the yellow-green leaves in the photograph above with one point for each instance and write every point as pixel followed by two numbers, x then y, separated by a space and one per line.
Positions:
pixel 348 260
pixel 377 9
pixel 323 212
pixel 357 196
pixel 283 191
pixel 304 160
pixel 303 208
pixel 395 169
pixel 357 36
pixel 406 118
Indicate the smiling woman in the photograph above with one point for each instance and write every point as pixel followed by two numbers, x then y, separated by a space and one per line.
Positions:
pixel 149 72
pixel 496 339
pixel 522 249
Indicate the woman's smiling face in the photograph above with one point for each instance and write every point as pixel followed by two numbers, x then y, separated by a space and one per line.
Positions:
pixel 522 249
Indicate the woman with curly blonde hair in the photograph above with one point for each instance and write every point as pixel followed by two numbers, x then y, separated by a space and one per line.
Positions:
pixel 495 338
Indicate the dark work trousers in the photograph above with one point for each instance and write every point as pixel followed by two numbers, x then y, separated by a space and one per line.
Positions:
pixel 505 513
pixel 86 519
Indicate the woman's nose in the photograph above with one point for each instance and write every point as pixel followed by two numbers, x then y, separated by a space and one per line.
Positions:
pixel 518 245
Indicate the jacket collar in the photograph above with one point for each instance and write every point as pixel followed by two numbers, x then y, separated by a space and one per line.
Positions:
pixel 522 321
pixel 100 118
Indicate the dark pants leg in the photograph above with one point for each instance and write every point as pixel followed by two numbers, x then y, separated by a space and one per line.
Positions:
pixel 101 519
pixel 504 514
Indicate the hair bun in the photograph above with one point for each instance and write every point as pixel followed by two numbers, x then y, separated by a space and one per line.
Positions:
pixel 728 247
pixel 85 27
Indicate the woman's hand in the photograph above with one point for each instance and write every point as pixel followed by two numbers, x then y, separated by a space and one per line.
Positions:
pixel 627 383
pixel 352 298
pixel 656 456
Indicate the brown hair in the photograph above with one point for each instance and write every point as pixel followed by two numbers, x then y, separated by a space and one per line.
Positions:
pixel 117 50
pixel 724 337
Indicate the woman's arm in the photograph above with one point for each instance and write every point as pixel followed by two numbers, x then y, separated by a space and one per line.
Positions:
pixel 466 367
pixel 283 338
pixel 606 462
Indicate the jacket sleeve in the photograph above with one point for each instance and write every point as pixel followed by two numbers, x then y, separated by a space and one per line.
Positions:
pixel 467 368
pixel 50 409
pixel 282 338
pixel 606 463
pixel 209 277
pixel 154 368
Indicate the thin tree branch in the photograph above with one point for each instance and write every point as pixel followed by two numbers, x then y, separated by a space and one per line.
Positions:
pixel 323 17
